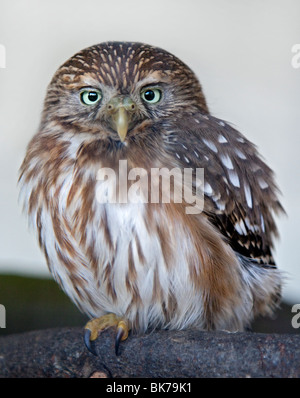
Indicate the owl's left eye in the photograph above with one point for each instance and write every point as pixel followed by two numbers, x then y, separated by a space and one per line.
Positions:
pixel 90 97
pixel 151 95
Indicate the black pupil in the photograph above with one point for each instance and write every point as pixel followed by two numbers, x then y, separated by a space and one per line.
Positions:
pixel 149 95
pixel 93 96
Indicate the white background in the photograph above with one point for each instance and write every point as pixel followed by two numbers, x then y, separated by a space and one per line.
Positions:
pixel 240 50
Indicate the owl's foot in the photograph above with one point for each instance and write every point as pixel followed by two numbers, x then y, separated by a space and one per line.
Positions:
pixel 95 326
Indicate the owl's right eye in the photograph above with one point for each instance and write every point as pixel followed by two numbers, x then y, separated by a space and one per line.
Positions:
pixel 90 97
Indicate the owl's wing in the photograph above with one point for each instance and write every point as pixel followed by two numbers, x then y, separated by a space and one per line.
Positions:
pixel 240 193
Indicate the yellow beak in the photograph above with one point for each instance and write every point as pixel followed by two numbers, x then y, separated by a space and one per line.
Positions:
pixel 121 122
pixel 121 110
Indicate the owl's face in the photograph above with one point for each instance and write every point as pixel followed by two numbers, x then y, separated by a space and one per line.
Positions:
pixel 115 88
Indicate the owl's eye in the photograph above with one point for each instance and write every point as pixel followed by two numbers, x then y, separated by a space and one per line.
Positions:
pixel 90 97
pixel 151 95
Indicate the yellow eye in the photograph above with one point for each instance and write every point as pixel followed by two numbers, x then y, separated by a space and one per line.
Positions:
pixel 90 97
pixel 151 95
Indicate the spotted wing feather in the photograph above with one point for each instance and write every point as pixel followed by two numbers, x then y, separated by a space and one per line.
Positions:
pixel 240 194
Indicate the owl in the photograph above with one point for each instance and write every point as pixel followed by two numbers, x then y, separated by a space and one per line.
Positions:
pixel 114 114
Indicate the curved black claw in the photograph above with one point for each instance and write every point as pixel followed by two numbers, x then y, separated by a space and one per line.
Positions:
pixel 90 345
pixel 119 335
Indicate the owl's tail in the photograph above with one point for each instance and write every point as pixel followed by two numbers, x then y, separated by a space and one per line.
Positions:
pixel 262 284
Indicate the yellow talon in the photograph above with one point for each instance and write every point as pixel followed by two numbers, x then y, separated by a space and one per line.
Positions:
pixel 95 326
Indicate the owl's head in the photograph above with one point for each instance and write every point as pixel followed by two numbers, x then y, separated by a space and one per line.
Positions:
pixel 115 87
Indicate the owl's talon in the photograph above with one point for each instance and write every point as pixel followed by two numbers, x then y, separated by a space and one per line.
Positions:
pixel 95 326
pixel 122 334
pixel 88 342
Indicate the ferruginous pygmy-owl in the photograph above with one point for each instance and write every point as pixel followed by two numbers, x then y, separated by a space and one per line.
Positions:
pixel 141 264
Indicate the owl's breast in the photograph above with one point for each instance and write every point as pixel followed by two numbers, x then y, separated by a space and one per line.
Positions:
pixel 149 262
pixel 139 255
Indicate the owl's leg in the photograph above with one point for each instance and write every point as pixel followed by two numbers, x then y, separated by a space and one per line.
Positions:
pixel 95 326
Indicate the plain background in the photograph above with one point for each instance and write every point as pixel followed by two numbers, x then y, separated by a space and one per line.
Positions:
pixel 240 50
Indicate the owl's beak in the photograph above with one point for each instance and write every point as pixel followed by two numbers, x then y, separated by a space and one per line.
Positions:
pixel 121 111
pixel 120 119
